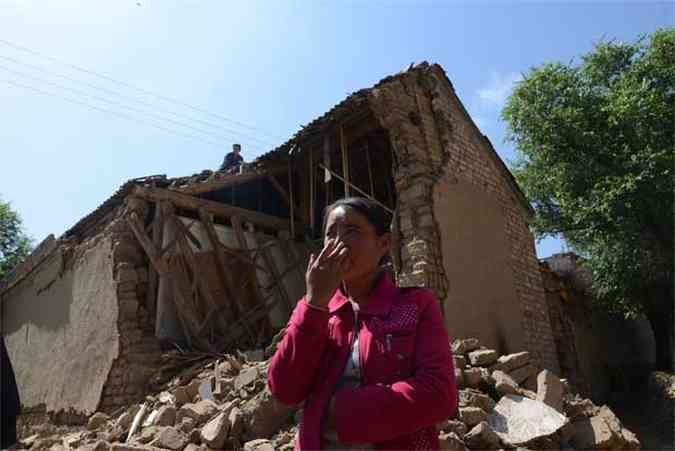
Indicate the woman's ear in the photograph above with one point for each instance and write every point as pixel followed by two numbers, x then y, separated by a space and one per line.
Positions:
pixel 385 242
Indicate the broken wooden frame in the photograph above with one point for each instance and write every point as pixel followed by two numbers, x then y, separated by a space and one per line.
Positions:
pixel 240 316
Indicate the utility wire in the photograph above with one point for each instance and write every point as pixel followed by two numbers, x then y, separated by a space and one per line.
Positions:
pixel 144 91
pixel 141 102
pixel 116 104
pixel 104 110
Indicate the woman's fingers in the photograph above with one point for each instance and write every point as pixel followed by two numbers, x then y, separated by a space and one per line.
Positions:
pixel 336 250
pixel 327 249
pixel 311 261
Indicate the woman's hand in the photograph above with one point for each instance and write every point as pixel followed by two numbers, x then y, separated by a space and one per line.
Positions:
pixel 325 272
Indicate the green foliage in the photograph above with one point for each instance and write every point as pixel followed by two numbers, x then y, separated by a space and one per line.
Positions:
pixel 14 244
pixel 595 158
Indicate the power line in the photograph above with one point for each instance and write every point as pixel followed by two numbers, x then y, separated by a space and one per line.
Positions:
pixel 104 110
pixel 116 104
pixel 144 91
pixel 141 102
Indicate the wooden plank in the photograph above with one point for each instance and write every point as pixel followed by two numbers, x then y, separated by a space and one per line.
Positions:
pixel 345 161
pixel 229 181
pixel 356 188
pixel 188 202
pixel 274 271
pixel 146 243
pixel 198 279
pixel 182 294
pixel 243 245
pixel 221 267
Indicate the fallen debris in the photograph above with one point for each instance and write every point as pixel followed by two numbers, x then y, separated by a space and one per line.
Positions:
pixel 239 412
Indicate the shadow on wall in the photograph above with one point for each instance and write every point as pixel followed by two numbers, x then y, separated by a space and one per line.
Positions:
pixel 42 300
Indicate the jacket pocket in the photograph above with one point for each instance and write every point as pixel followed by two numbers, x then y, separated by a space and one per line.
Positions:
pixel 394 355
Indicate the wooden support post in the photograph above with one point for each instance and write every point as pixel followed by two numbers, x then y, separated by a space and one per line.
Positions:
pixel 148 246
pixel 153 277
pixel 345 160
pixel 327 176
pixel 312 190
pixel 290 197
pixel 356 188
pixel 370 172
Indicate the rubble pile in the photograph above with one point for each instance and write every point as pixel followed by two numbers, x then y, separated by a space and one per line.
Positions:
pixel 504 402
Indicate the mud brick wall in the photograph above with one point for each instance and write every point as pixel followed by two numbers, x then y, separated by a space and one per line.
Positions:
pixel 139 350
pixel 435 141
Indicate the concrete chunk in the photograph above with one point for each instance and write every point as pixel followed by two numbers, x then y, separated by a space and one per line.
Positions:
pixel 166 416
pixel 504 384
pixel 593 433
pixel 451 441
pixel 171 438
pixel 472 377
pixel 510 362
pixel 466 345
pixel 260 444
pixel 475 398
pixel 519 420
pixel 483 357
pixel 521 374
pixel 482 437
pixel 550 390
pixel 97 420
pixel 214 433
pixel 471 416
pixel 245 377
pixel 459 361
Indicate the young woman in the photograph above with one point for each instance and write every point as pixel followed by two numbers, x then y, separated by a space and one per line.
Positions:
pixel 370 361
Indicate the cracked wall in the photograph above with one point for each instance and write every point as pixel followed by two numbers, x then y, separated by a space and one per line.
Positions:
pixel 463 231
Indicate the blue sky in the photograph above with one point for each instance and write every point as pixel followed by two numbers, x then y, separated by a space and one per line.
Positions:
pixel 93 93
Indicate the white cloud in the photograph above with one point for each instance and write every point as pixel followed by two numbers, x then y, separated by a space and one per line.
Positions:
pixel 498 89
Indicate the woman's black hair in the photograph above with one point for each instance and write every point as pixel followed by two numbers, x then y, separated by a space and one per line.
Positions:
pixel 374 213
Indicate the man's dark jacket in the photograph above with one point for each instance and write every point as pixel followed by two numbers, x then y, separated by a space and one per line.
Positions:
pixel 11 406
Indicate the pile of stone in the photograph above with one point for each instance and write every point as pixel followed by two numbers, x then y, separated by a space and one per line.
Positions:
pixel 504 402
pixel 226 405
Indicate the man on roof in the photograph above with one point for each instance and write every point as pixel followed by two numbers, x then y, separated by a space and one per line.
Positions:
pixel 233 160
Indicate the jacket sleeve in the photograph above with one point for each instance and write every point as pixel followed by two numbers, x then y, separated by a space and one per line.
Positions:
pixel 298 355
pixel 380 412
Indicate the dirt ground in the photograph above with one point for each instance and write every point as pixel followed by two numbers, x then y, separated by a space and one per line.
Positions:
pixel 643 414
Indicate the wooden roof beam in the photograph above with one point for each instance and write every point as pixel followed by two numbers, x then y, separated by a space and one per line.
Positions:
pixel 188 202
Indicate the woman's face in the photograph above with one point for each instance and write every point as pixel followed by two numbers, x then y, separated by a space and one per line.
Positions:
pixel 364 247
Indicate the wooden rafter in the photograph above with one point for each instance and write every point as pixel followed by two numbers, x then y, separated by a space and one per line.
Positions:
pixel 188 202
pixel 229 181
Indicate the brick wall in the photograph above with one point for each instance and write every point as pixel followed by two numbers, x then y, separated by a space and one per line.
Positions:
pixel 433 136
pixel 139 350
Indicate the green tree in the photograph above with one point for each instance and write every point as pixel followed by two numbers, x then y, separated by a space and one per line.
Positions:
pixel 595 157
pixel 14 244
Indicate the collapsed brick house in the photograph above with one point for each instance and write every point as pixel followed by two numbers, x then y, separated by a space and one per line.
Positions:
pixel 216 261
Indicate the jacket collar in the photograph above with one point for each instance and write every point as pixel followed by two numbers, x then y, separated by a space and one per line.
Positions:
pixel 379 299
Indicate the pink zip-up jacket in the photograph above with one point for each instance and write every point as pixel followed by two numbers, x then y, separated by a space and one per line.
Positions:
pixel 407 373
